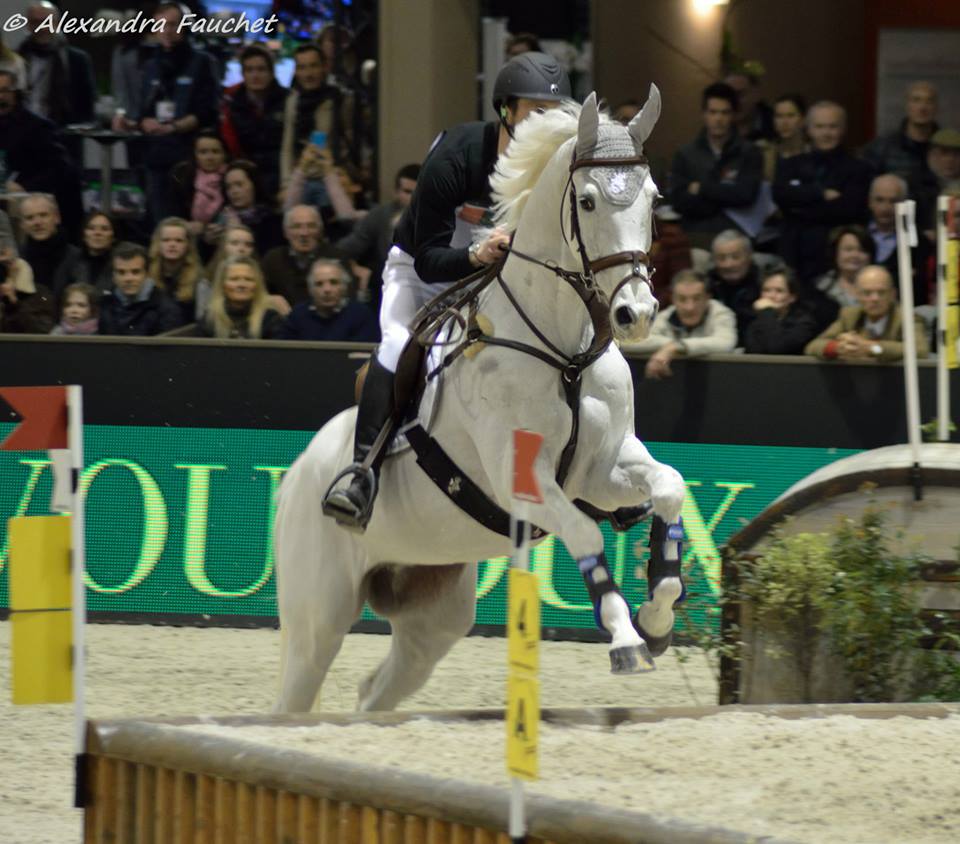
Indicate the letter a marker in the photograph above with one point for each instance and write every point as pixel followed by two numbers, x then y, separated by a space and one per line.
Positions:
pixel 523 634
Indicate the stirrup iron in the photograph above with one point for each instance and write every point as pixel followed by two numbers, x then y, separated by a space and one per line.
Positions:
pixel 345 518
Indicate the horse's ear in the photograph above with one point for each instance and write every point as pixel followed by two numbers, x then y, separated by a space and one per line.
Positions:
pixel 589 126
pixel 642 124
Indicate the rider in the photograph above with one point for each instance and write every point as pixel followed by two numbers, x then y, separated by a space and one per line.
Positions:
pixel 435 245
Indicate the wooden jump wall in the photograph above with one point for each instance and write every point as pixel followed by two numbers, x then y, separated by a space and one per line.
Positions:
pixel 153 782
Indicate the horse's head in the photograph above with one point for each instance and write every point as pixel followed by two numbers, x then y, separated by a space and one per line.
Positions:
pixel 611 212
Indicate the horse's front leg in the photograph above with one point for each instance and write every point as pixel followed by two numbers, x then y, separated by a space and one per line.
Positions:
pixel 664 486
pixel 629 654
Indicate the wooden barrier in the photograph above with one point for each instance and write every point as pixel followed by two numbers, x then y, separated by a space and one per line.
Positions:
pixel 151 782
pixel 842 489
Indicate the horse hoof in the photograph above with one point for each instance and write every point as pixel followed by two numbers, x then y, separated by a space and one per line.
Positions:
pixel 631 659
pixel 656 644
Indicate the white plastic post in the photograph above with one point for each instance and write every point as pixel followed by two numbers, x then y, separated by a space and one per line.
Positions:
pixel 943 375
pixel 77 542
pixel 520 531
pixel 907 237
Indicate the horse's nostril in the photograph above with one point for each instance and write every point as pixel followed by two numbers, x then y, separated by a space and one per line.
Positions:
pixel 624 315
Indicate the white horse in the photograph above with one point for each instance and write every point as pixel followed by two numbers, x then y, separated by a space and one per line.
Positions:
pixel 415 562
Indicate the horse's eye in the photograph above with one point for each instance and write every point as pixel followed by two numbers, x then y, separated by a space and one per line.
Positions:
pixel 587 203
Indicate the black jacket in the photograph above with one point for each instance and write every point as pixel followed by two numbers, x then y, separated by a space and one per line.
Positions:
pixel 285 276
pixel 896 152
pixel 456 172
pixel 355 323
pixel 53 261
pixel 270 328
pixel 730 181
pixel 807 217
pixel 259 131
pixel 188 78
pixel 142 318
pixel 738 297
pixel 32 313
pixel 32 150
pixel 72 88
pixel 770 334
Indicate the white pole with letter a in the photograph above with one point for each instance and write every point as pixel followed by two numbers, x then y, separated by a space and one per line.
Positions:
pixel 523 635
pixel 943 374
pixel 78 542
pixel 907 238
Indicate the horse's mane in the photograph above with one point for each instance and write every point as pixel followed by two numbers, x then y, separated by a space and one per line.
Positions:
pixel 535 141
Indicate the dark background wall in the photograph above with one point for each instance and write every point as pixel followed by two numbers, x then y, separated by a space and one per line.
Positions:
pixel 815 47
pixel 733 399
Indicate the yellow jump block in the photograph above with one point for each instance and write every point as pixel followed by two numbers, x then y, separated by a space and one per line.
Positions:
pixel 40 609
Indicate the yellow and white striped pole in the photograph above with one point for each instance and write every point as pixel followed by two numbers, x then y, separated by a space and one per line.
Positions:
pixel 523 636
pixel 948 311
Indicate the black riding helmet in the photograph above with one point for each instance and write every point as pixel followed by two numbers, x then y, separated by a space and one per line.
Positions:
pixel 533 76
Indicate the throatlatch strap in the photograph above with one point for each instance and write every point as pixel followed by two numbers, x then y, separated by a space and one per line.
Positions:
pixel 457 486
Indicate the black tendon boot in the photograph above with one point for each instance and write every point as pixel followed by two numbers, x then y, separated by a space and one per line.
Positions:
pixel 352 505
pixel 666 559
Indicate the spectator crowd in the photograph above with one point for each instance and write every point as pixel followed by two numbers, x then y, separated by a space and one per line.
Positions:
pixel 776 236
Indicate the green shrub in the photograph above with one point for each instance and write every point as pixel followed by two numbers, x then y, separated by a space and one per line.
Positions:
pixel 852 588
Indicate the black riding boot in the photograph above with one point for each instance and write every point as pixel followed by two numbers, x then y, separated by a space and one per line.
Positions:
pixel 352 505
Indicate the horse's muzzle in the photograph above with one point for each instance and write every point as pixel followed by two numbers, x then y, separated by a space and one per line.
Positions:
pixel 632 322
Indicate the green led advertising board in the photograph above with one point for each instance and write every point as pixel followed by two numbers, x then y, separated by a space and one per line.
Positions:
pixel 179 521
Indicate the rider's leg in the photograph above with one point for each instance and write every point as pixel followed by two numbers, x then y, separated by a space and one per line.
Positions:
pixel 654 620
pixel 352 505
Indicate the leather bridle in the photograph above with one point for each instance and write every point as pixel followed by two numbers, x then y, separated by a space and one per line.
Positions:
pixel 584 284
pixel 584 281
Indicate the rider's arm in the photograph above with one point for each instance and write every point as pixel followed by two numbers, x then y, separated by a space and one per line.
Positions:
pixel 434 259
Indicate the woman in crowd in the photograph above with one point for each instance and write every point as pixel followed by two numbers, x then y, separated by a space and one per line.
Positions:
pixel 789 113
pixel 93 266
pixel 248 204
pixel 315 181
pixel 80 313
pixel 198 185
pixel 175 267
pixel 851 249
pixel 239 306
pixel 783 324
pixel 235 242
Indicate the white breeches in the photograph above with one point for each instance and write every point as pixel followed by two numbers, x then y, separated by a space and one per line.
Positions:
pixel 404 293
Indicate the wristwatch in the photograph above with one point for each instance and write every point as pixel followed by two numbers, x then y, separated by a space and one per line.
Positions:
pixel 876 350
pixel 472 254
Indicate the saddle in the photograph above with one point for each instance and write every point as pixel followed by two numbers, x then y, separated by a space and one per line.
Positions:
pixel 413 373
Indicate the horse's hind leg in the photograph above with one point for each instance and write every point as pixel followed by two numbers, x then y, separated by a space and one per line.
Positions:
pixel 424 628
pixel 319 592
pixel 307 654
